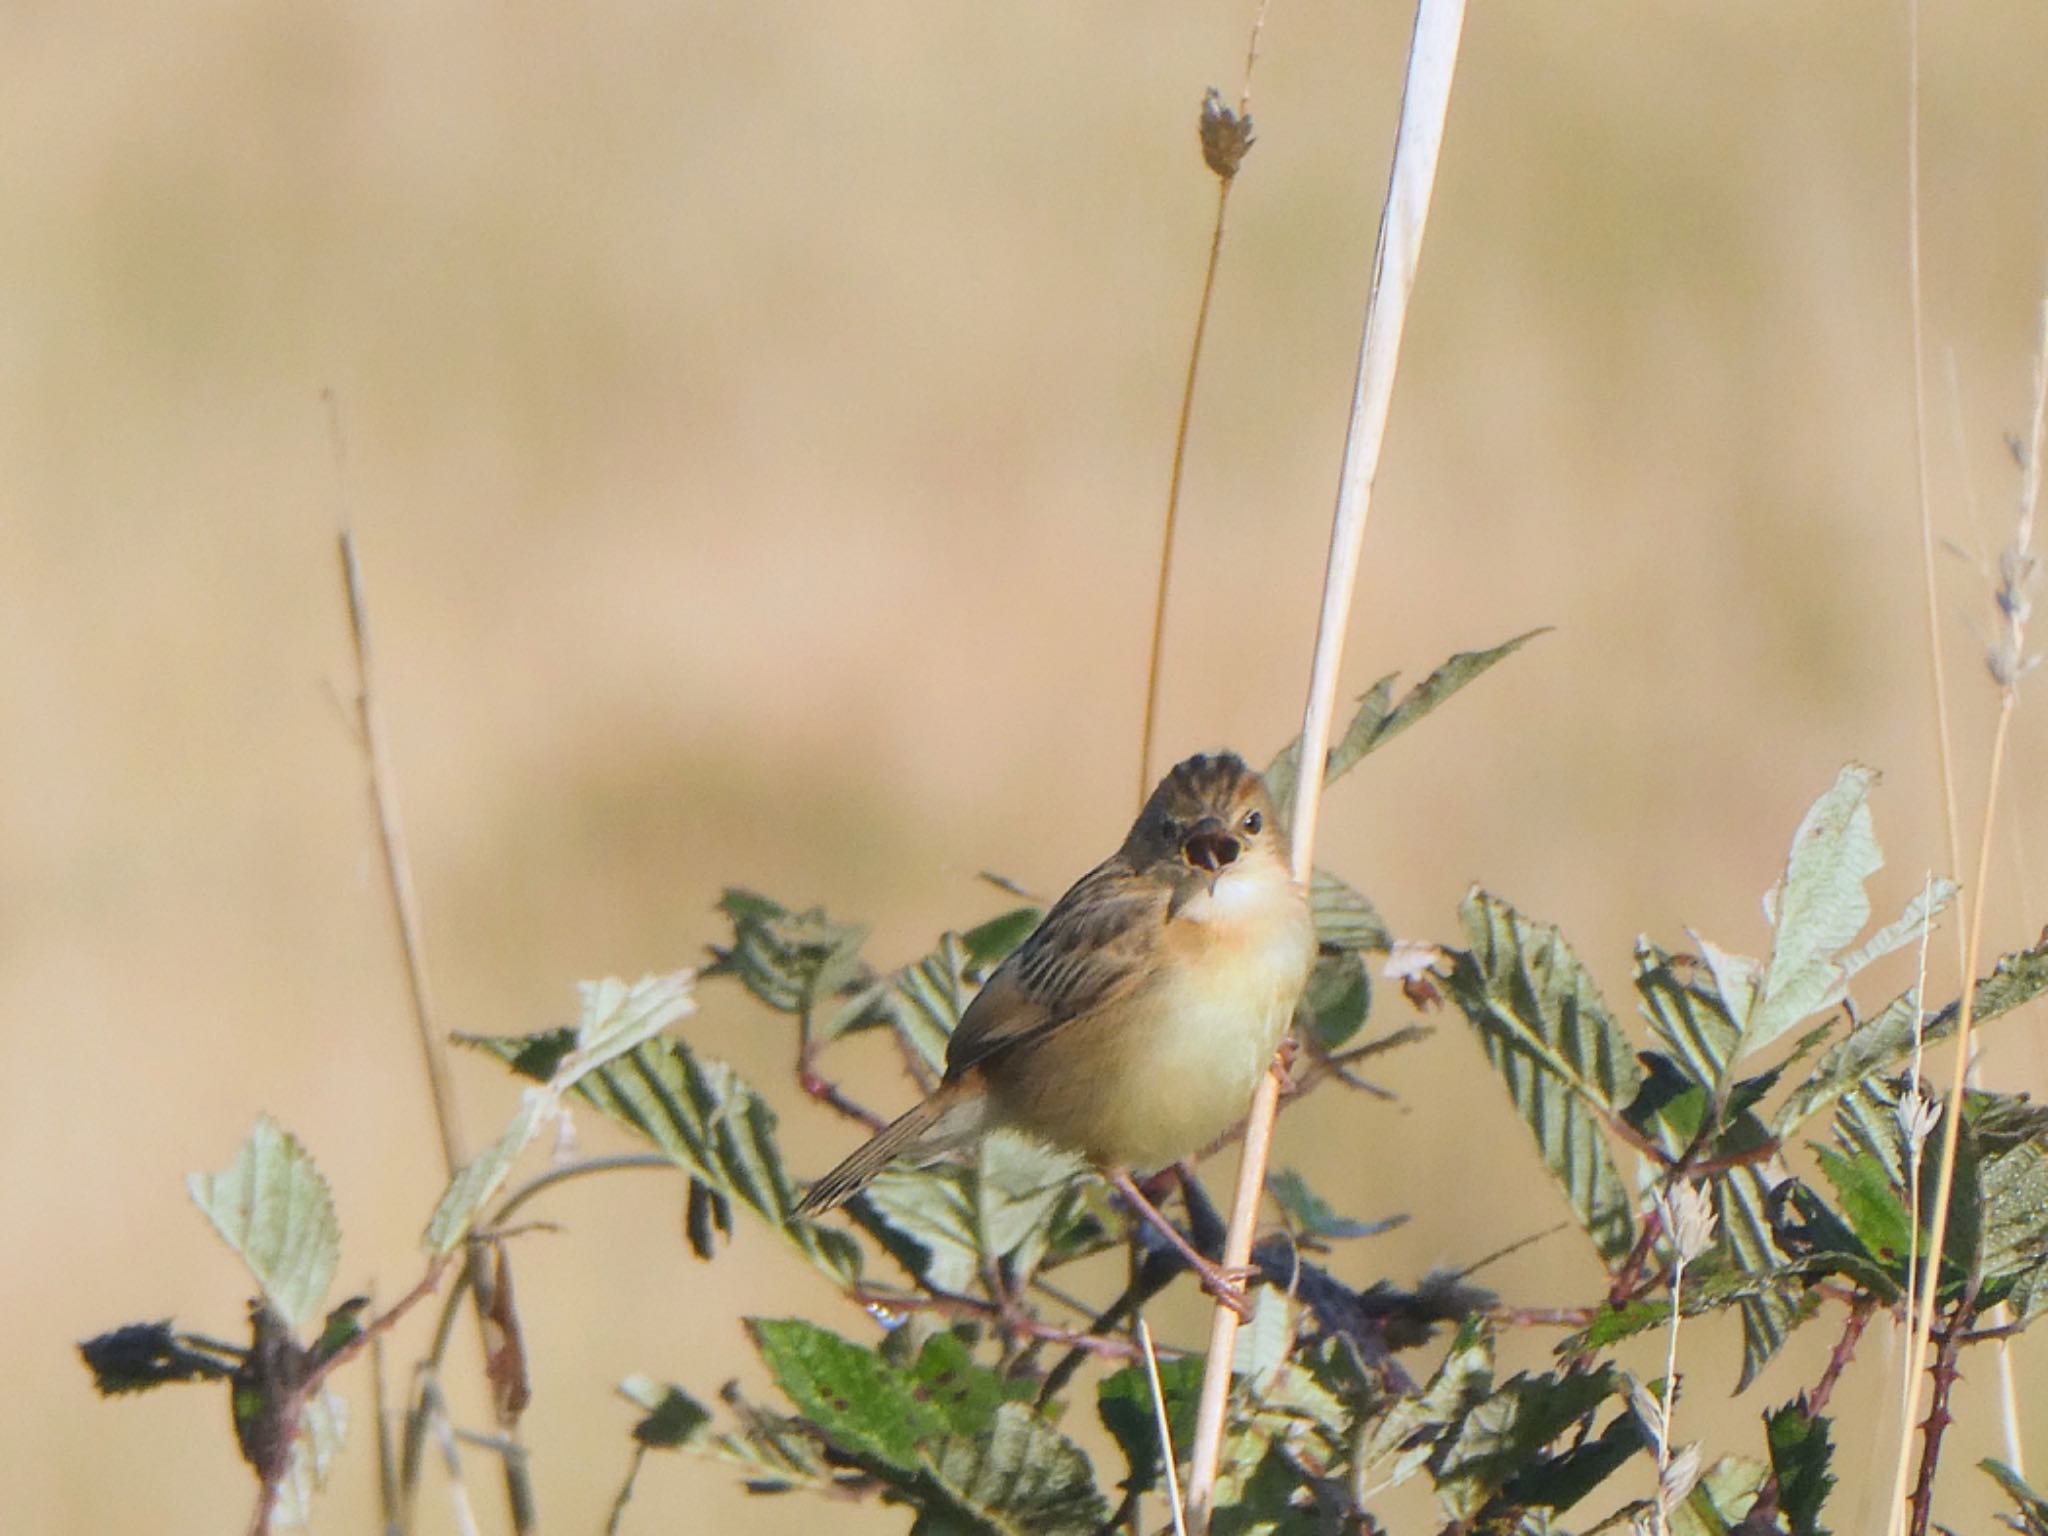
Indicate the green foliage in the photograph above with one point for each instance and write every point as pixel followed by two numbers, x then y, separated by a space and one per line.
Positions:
pixel 701 1114
pixel 1378 719
pixel 943 1435
pixel 1800 1459
pixel 988 1287
pixel 616 1020
pixel 1565 1061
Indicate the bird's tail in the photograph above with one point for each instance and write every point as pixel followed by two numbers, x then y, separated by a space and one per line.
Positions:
pixel 950 1118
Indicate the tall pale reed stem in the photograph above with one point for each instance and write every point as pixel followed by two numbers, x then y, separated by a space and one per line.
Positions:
pixel 1425 102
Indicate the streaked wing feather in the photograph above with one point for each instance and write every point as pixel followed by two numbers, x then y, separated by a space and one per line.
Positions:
pixel 1086 953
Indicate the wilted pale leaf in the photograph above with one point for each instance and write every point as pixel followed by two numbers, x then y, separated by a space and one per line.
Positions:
pixel 1817 908
pixel 273 1208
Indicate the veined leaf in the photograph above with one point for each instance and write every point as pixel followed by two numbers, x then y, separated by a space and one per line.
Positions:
pixel 1882 1043
pixel 1019 1477
pixel 862 1406
pixel 1378 720
pixel 616 1019
pixel 942 1434
pixel 1742 1201
pixel 700 1113
pixel 1683 1003
pixel 934 1209
pixel 922 1002
pixel 272 1206
pixel 1345 919
pixel 1506 1431
pixel 1711 1292
pixel 1876 1213
pixel 1335 1002
pixel 1409 1430
pixel 790 960
pixel 1818 907
pixel 1566 1064
pixel 1800 1454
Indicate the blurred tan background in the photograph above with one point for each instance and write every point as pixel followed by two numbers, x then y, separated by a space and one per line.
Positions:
pixel 757 423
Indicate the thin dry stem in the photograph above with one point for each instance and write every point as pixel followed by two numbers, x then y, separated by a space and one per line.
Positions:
pixel 1952 1113
pixel 1153 666
pixel 1180 1526
pixel 397 861
pixel 1432 62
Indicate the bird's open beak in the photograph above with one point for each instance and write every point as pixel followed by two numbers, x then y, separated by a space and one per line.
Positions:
pixel 1210 846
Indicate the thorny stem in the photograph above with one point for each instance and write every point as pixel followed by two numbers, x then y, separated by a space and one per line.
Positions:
pixel 1938 1417
pixel 1844 1351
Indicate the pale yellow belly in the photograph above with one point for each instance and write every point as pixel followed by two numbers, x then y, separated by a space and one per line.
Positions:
pixel 1170 1070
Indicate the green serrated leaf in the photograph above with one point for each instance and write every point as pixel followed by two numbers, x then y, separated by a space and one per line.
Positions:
pixel 1377 721
pixel 934 1209
pixel 1021 1186
pixel 272 1206
pixel 856 1401
pixel 790 960
pixel 1566 1064
pixel 1020 1477
pixel 2015 1238
pixel 1742 1202
pixel 617 1019
pixel 1398 1443
pixel 1883 1043
pixel 965 1394
pixel 1817 908
pixel 1344 918
pixel 1507 1429
pixel 1800 1454
pixel 1556 1482
pixel 1876 1213
pixel 1912 926
pixel 1714 1291
pixel 702 1114
pixel 922 1002
pixel 1683 1003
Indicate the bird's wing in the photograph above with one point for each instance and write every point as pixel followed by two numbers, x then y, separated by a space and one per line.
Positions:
pixel 1091 950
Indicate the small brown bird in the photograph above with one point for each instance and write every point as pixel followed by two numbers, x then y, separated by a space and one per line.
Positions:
pixel 1133 1023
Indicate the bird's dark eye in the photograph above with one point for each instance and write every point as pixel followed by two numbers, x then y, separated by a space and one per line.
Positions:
pixel 1253 821
pixel 1170 829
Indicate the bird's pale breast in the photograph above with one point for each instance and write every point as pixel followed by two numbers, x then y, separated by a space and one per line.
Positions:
pixel 1173 1065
